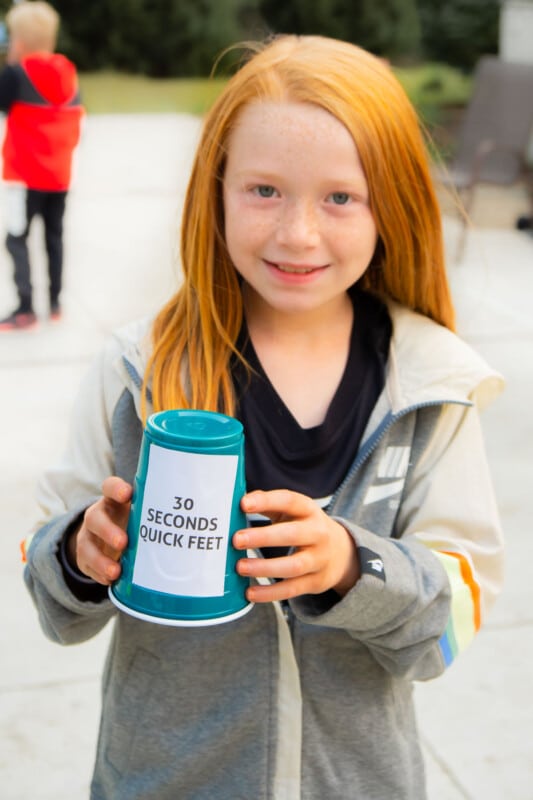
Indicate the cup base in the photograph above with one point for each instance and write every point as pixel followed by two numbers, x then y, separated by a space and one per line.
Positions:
pixel 178 623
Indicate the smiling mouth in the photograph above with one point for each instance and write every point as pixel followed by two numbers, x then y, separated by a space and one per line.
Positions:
pixel 293 270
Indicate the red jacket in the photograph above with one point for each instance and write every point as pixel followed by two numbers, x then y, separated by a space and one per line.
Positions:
pixel 43 122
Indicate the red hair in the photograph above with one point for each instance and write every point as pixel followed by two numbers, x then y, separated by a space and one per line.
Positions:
pixel 194 335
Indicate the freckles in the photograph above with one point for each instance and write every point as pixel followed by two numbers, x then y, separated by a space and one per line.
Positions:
pixel 251 228
pixel 261 226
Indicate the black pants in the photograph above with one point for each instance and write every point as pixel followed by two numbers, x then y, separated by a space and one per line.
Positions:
pixel 51 207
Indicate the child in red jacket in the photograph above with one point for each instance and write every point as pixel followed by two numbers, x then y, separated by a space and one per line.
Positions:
pixel 39 93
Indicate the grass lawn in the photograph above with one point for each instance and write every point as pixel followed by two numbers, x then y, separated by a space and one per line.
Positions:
pixel 438 92
pixel 429 86
pixel 115 93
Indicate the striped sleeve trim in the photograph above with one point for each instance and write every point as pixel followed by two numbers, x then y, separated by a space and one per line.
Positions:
pixel 25 546
pixel 465 614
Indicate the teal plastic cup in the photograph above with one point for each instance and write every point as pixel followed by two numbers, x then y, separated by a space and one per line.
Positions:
pixel 179 565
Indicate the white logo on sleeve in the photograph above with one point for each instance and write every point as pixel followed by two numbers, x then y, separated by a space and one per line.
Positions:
pixel 371 563
pixel 393 467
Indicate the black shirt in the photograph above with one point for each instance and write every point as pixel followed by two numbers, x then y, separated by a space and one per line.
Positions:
pixel 279 453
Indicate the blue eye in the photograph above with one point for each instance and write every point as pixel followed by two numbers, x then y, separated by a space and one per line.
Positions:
pixel 265 191
pixel 340 198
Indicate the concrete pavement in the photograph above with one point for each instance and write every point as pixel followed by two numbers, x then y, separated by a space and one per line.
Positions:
pixel 121 232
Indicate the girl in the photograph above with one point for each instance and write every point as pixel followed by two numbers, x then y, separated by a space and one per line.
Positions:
pixel 315 308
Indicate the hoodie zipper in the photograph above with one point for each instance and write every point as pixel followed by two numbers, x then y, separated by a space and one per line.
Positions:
pixel 136 378
pixel 371 444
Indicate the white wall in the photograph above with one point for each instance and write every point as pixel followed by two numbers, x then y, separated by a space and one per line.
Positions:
pixel 516 37
pixel 516 31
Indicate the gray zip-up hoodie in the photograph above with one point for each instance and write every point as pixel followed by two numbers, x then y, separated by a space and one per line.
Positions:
pixel 315 703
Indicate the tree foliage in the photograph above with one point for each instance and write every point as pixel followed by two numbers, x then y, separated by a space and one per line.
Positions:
pixel 184 37
pixel 388 28
pixel 154 37
pixel 458 32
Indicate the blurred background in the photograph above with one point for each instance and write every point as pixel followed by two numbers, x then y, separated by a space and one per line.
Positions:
pixel 145 55
pixel 145 70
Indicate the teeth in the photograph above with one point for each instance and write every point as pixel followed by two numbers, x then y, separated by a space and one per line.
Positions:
pixel 294 271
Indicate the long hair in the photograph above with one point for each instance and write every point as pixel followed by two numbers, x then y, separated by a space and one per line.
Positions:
pixel 194 335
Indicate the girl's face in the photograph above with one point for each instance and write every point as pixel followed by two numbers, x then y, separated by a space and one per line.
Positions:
pixel 298 225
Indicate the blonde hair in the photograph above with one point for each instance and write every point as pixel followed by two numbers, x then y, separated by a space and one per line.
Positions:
pixel 194 334
pixel 36 24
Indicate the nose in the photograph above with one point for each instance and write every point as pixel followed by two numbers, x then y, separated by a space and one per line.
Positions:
pixel 298 226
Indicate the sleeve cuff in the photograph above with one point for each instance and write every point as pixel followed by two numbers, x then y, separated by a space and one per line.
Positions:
pixel 81 586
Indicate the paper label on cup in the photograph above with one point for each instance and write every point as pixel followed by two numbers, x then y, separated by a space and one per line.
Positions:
pixel 184 523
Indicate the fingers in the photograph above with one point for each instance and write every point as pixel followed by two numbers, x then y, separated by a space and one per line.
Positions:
pixel 117 495
pixel 102 536
pixel 298 573
pixel 292 566
pixel 282 534
pixel 282 590
pixel 323 553
pixel 117 489
pixel 278 501
pixel 93 561
pixel 99 521
pixel 297 519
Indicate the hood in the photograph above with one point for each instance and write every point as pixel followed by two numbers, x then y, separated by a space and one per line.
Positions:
pixel 53 75
pixel 132 347
pixel 429 364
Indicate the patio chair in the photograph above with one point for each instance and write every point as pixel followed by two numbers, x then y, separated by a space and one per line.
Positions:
pixel 495 133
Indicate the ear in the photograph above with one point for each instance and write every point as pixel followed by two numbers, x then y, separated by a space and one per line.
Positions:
pixel 17 50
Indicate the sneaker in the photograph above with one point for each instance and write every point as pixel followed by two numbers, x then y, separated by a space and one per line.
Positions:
pixel 18 321
pixel 55 312
pixel 524 223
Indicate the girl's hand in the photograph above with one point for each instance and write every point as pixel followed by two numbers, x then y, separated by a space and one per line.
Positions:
pixel 325 554
pixel 98 544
